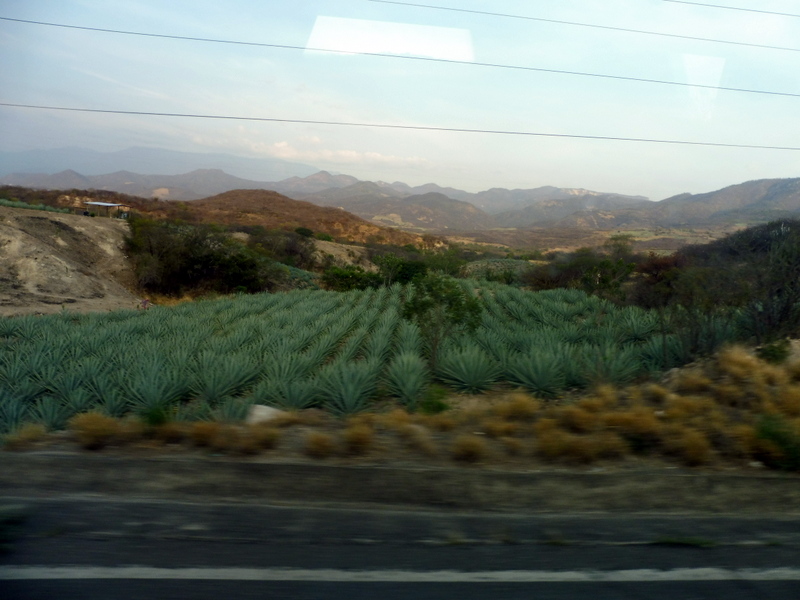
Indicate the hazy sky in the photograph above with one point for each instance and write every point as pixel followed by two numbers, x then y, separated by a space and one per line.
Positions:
pixel 66 67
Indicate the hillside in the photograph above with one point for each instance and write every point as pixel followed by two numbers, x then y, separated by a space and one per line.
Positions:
pixel 275 211
pixel 551 210
pixel 196 184
pixel 51 260
pixel 384 204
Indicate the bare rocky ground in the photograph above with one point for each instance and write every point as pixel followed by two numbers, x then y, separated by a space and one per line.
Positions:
pixel 53 261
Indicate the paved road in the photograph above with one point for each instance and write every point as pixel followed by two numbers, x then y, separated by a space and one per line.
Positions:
pixel 99 548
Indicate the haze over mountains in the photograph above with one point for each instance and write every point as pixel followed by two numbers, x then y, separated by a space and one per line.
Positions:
pixel 428 207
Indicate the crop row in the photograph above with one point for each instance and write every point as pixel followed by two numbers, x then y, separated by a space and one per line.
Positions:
pixel 213 359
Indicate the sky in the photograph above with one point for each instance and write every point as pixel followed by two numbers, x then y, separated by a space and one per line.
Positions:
pixel 52 66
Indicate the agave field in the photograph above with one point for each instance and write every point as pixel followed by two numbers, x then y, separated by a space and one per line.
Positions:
pixel 339 351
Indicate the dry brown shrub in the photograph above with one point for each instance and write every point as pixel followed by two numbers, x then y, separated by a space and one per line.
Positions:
pixel 608 444
pixel 774 375
pixel 320 445
pixel 247 443
pixel 496 428
pixel 519 407
pixel 202 433
pixel 95 431
pixel 25 437
pixel 440 422
pixel 737 441
pixel 792 369
pixel 287 419
pixel 417 438
pixel 358 438
pixel 734 395
pixel 469 448
pixel 693 381
pixel 788 400
pixel 592 404
pixel 552 444
pixel 680 408
pixel 545 425
pixel 657 394
pixel 639 426
pixel 171 432
pixel 265 435
pixel 738 363
pixel 226 438
pixel 690 445
pixel 395 420
pixel 579 420
pixel 607 394
pixel 513 446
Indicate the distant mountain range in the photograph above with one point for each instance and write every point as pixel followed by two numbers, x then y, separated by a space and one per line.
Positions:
pixel 147 160
pixel 428 207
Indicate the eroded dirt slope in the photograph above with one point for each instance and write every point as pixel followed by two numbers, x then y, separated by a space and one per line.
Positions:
pixel 52 260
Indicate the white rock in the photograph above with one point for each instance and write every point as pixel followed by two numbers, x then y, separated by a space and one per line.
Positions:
pixel 259 413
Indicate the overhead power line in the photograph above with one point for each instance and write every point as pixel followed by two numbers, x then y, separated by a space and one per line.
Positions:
pixel 580 24
pixel 413 58
pixel 753 10
pixel 406 127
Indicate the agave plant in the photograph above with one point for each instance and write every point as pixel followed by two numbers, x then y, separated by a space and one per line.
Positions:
pixel 538 371
pixel 51 413
pixel 346 387
pixel 217 377
pixel 407 377
pixel 612 364
pixel 291 394
pixel 13 412
pixel 232 410
pixel 467 369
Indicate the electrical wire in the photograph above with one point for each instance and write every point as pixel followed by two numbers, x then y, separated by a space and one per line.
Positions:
pixel 753 10
pixel 592 25
pixel 413 58
pixel 406 127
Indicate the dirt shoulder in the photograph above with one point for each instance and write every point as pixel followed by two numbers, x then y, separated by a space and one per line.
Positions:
pixel 216 479
pixel 50 261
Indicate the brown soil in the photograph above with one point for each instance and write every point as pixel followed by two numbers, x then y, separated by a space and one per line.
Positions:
pixel 50 261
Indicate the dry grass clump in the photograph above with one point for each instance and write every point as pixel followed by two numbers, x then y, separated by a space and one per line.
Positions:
pixel 395 420
pixel 638 426
pixel 202 433
pixel 358 438
pixel 680 408
pixel 578 419
pixel 94 431
pixel 689 445
pixel 469 448
pixel 513 446
pixel 25 437
pixel 608 444
pixel 738 363
pixel 226 438
pixel 693 381
pixel 440 422
pixel 417 438
pixel 265 436
pixel 655 393
pixel 519 407
pixel 171 432
pixel 319 445
pixel 496 428
pixel 788 400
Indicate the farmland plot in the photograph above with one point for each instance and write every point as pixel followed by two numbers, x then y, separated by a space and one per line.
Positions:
pixel 339 351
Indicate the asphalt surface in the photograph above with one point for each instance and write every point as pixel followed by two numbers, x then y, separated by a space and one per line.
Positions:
pixel 99 547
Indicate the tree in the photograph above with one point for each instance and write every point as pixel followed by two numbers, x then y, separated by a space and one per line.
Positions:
pixel 440 307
